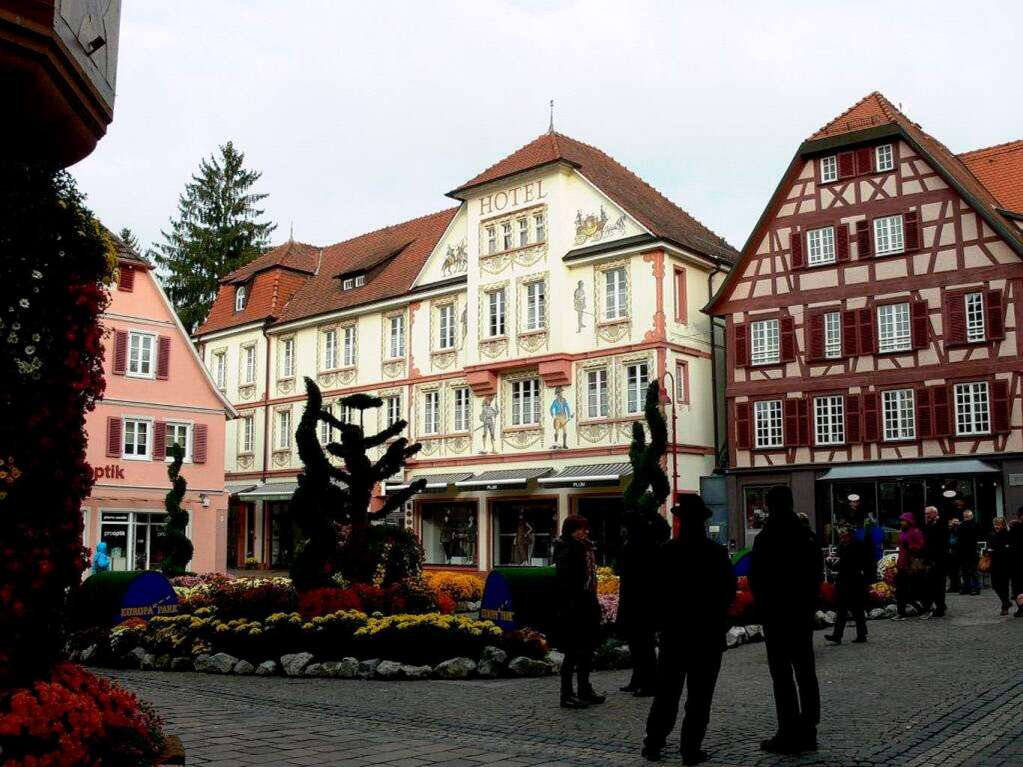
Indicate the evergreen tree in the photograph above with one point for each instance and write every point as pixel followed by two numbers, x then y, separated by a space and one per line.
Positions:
pixel 649 487
pixel 176 547
pixel 127 236
pixel 219 228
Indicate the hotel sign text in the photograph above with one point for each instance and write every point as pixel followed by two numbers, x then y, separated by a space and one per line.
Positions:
pixel 510 198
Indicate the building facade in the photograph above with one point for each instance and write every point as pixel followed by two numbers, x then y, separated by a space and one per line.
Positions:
pixel 873 353
pixel 157 393
pixel 516 332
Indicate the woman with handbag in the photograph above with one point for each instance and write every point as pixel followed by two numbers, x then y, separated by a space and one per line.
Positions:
pixel 999 562
pixel 910 568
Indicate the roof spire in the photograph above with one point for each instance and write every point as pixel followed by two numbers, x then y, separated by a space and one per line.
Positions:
pixel 550 128
pixel 291 233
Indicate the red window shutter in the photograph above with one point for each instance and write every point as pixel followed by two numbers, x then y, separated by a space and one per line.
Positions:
pixel 741 345
pixel 871 423
pixel 841 242
pixel 1000 405
pixel 114 444
pixel 924 420
pixel 787 331
pixel 846 164
pixel 199 443
pixel 803 408
pixel 814 329
pixel 796 244
pixel 955 332
pixel 864 160
pixel 863 239
pixel 865 330
pixel 919 324
pixel 743 427
pixel 126 279
pixel 681 302
pixel 850 346
pixel 163 358
pixel 159 440
pixel 993 312
pixel 942 424
pixel 120 353
pixel 791 412
pixel 852 418
pixel 911 231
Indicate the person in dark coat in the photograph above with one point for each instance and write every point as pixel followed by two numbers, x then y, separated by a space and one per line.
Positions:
pixel 969 557
pixel 698 581
pixel 1016 534
pixel 999 548
pixel 936 559
pixel 575 564
pixel 853 567
pixel 637 596
pixel 953 556
pixel 785 577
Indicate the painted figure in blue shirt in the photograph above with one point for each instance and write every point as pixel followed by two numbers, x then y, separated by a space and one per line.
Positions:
pixel 100 560
pixel 561 411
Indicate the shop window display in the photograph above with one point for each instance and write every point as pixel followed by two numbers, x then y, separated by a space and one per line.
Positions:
pixel 524 533
pixel 449 533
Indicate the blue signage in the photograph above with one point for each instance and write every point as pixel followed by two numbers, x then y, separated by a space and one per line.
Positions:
pixel 149 593
pixel 496 604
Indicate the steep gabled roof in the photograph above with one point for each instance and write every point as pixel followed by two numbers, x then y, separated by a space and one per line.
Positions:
pixel 291 255
pixel 1000 169
pixel 269 292
pixel 649 207
pixel 873 109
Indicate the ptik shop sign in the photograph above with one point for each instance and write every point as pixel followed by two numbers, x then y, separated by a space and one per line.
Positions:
pixel 110 471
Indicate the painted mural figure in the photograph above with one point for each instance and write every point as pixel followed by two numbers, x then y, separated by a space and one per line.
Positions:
pixel 465 321
pixel 561 412
pixel 488 419
pixel 579 299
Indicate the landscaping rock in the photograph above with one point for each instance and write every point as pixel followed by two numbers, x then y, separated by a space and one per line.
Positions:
pixel 148 662
pixel 295 663
pixel 523 666
pixel 754 631
pixel 367 668
pixel 163 662
pixel 134 658
pixel 181 664
pixel 891 611
pixel 221 663
pixel 877 614
pixel 417 672
pixel 488 669
pixel 388 669
pixel 346 668
pixel 88 653
pixel 555 658
pixel 316 669
pixel 910 610
pixel 736 636
pixel 455 668
pixel 266 668
pixel 494 655
pixel 830 617
pixel 244 668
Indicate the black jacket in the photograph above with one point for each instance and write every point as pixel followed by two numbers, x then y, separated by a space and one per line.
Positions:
pixel 696 588
pixel 637 568
pixel 855 569
pixel 785 573
pixel 576 577
pixel 1000 545
pixel 969 535
pixel 936 542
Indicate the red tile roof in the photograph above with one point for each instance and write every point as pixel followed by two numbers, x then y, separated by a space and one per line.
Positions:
pixel 1000 169
pixel 640 200
pixel 873 109
pixel 296 256
pixel 269 292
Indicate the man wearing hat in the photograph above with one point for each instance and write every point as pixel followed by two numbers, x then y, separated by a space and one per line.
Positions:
pixel 698 580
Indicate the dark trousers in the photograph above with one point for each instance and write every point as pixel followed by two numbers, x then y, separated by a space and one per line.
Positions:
pixel 1000 583
pixel 844 609
pixel 907 588
pixel 790 661
pixel 697 670
pixel 953 574
pixel 643 650
pixel 970 578
pixel 935 588
pixel 578 662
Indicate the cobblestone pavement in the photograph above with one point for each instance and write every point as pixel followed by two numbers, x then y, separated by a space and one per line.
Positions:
pixel 935 693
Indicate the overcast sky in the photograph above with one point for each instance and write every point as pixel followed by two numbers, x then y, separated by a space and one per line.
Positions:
pixel 363 114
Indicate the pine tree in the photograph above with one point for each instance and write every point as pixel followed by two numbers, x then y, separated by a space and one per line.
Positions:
pixel 176 547
pixel 127 236
pixel 649 488
pixel 218 229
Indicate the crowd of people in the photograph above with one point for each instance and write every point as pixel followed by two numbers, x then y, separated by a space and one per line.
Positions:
pixel 786 570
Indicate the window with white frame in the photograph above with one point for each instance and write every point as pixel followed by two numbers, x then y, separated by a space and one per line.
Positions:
pixel 141 354
pixel 888 235
pixel 832 335
pixel 596 393
pixel 973 408
pixel 765 339
pixel 247 434
pixel 461 409
pixel 283 429
pixel 506 235
pixel 431 412
pixel 326 430
pixel 637 378
pixel 975 329
pixel 249 365
pixel 899 414
pixel 348 357
pixel 893 329
pixel 491 239
pixel 525 402
pixel 616 294
pixel 829 419
pixel 820 245
pixel 829 169
pixel 138 434
pixel 446 326
pixel 330 349
pixel 288 358
pixel 523 232
pixel 178 434
pixel 392 407
pixel 346 413
pixel 356 281
pixel 495 313
pixel 767 423
pixel 220 369
pixel 396 348
pixel 240 295
pixel 540 226
pixel 536 305
pixel 884 157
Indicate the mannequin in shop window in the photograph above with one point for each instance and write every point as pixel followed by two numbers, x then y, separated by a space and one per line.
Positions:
pixel 524 537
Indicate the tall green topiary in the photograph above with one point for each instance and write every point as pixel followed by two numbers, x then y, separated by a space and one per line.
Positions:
pixel 649 487
pixel 331 506
pixel 177 548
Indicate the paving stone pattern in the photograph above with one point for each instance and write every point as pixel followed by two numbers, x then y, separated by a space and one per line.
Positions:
pixel 920 693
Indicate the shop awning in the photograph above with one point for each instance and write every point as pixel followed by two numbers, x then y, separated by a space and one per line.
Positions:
pixel 503 479
pixel 269 491
pixel 588 475
pixel 897 469
pixel 435 483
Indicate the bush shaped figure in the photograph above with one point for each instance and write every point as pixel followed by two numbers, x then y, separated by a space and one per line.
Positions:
pixel 649 487
pixel 176 547
pixel 331 506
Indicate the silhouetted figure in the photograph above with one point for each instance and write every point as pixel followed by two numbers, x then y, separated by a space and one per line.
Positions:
pixel 785 577
pixel 854 567
pixel 697 577
pixel 936 558
pixel 1000 550
pixel 969 556
pixel 575 565
pixel 910 568
pixel 637 596
pixel 1016 534
pixel 953 556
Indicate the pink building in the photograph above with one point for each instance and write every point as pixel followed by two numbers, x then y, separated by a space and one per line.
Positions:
pixel 158 392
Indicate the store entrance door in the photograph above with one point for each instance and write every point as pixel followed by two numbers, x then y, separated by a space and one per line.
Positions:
pixel 604 513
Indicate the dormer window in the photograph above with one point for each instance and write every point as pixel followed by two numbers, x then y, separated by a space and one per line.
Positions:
pixel 241 295
pixel 829 169
pixel 883 158
pixel 355 281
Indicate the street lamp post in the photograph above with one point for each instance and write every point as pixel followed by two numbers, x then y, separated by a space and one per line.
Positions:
pixel 674 435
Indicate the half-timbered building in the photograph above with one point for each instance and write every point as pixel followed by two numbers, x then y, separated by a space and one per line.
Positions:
pixel 873 358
